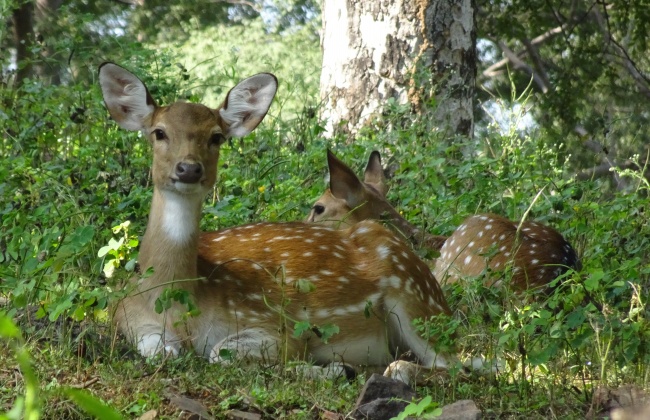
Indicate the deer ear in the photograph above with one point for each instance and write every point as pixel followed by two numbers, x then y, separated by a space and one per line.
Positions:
pixel 374 173
pixel 247 103
pixel 126 97
pixel 344 184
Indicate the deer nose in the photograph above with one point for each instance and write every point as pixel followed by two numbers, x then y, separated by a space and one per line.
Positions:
pixel 189 173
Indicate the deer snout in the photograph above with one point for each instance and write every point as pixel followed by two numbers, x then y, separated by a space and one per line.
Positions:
pixel 189 172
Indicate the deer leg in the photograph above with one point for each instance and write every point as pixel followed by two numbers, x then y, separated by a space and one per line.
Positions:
pixel 254 343
pixel 146 329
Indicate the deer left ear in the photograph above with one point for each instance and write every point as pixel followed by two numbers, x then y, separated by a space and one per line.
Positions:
pixel 344 184
pixel 247 103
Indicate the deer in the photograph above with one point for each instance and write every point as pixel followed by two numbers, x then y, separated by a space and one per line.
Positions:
pixel 252 285
pixel 537 254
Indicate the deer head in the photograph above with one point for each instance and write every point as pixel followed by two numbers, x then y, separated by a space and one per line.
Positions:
pixel 349 200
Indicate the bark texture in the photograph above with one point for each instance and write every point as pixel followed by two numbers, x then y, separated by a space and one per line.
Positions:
pixel 372 51
pixel 23 33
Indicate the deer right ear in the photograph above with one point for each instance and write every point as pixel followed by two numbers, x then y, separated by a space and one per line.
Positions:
pixel 126 97
pixel 374 173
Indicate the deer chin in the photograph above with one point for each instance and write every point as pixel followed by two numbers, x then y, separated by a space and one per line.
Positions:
pixel 186 189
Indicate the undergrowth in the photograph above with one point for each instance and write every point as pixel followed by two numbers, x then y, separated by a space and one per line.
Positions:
pixel 69 177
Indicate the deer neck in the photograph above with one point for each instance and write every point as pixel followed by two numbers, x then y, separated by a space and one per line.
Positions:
pixel 414 234
pixel 401 223
pixel 170 242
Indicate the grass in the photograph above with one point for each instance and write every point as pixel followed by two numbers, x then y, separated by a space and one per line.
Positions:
pixel 62 190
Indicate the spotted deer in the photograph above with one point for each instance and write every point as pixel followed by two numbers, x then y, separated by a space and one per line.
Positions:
pixel 254 285
pixel 537 254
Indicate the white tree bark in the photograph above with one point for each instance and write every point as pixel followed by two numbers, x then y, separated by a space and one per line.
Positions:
pixel 371 50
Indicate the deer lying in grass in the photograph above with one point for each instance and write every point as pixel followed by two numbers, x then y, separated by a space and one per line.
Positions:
pixel 253 284
pixel 538 254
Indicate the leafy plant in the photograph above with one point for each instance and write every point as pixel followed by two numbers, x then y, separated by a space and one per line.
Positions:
pixel 426 408
pixel 118 251
pixel 26 406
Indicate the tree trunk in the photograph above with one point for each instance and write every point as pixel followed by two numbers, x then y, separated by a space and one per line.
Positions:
pixel 373 50
pixel 23 27
pixel 46 14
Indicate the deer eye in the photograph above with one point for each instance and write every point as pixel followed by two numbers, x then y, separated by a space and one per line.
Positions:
pixel 159 134
pixel 319 209
pixel 217 139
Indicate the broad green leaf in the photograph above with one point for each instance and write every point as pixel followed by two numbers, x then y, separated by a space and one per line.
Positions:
pixel 301 327
pixel 92 405
pixel 305 286
pixel 7 327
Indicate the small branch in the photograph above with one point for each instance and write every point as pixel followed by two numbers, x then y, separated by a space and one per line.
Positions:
pixel 131 2
pixel 518 63
pixel 604 169
pixel 537 61
pixel 495 68
pixel 239 3
pixel 597 148
pixel 642 81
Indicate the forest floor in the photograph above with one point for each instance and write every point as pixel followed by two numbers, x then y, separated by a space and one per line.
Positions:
pixel 91 356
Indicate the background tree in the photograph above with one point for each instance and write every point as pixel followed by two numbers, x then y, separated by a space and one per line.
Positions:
pixel 589 68
pixel 374 53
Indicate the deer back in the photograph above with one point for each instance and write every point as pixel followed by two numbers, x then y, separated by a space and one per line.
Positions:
pixel 363 279
pixel 535 254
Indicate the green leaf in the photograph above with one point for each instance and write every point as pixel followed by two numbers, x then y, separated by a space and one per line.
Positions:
pixel 61 307
pixel 226 354
pixel 423 404
pixel 591 283
pixel 305 286
pixel 327 331
pixel 504 338
pixel 7 327
pixel 301 327
pixel 103 251
pixel 83 235
pixel 130 265
pixel 79 313
pixel 115 245
pixel 158 306
pixel 435 413
pixel 367 310
pixel 575 318
pixel 92 405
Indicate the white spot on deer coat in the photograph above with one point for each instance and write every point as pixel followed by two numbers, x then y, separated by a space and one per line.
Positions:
pixel 362 230
pixel 391 281
pixel 383 251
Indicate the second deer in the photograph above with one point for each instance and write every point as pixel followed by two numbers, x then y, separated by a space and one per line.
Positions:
pixel 536 254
